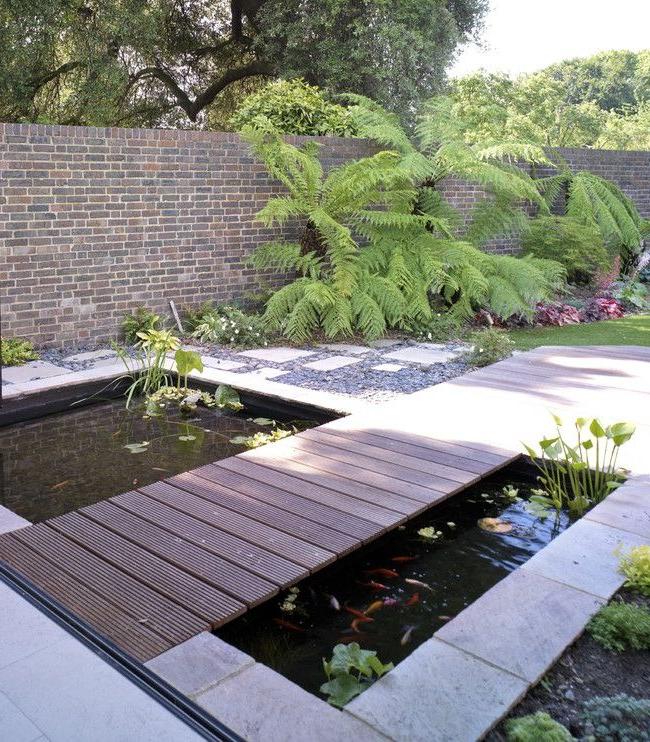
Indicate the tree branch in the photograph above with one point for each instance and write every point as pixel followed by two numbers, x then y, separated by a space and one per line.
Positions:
pixel 37 82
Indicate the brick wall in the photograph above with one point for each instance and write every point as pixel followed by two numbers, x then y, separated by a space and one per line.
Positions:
pixel 94 222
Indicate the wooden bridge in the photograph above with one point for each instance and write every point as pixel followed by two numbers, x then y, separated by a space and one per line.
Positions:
pixel 153 567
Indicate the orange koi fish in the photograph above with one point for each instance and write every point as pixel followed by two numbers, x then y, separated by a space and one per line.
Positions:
pixel 415 598
pixel 374 585
pixel 358 615
pixel 418 583
pixel 350 638
pixel 382 572
pixel 374 607
pixel 288 625
pixel 403 559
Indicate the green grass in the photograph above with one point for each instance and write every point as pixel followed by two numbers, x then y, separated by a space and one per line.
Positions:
pixel 633 330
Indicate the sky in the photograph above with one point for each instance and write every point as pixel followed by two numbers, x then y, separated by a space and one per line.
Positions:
pixel 527 35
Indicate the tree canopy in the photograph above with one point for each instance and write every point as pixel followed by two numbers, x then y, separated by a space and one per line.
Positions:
pixel 169 62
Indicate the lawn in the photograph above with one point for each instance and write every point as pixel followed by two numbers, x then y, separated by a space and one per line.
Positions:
pixel 633 330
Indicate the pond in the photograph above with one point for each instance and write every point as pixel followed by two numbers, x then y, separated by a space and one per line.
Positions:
pixel 72 459
pixel 407 584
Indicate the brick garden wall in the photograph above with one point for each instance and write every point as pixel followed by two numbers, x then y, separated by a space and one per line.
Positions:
pixel 94 222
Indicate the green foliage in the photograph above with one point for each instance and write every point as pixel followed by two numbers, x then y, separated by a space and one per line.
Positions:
pixel 632 294
pixel 619 626
pixel 636 568
pixel 441 328
pixel 148 369
pixel 16 352
pixel 350 671
pixel 538 727
pixel 228 325
pixel 582 474
pixel 578 247
pixel 488 346
pixel 261 438
pixel 618 718
pixel 141 320
pixel 293 107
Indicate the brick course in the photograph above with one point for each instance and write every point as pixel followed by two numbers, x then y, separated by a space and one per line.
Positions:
pixel 94 221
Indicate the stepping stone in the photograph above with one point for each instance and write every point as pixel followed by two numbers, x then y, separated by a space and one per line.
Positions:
pixel 331 364
pixel 32 370
pixel 384 343
pixel 355 350
pixel 276 355
pixel 431 346
pixel 268 373
pixel 422 356
pixel 221 363
pixel 391 367
pixel 91 355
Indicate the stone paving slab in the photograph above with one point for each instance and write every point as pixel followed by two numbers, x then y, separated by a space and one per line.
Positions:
pixel 586 557
pixel 331 364
pixel 201 662
pixel 438 693
pixel 14 725
pixel 355 350
pixel 384 343
pixel 544 616
pixel 91 355
pixel 268 373
pixel 261 705
pixel 628 508
pixel 10 521
pixel 30 371
pixel 276 355
pixel 422 356
pixel 222 363
pixel 390 367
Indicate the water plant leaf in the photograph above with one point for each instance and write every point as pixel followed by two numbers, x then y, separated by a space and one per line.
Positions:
pixel 556 419
pixel 239 440
pixel 596 429
pixel 186 437
pixel 187 361
pixel 342 689
pixel 263 421
pixel 137 447
pixel 620 433
pixel 226 396
pixel 494 525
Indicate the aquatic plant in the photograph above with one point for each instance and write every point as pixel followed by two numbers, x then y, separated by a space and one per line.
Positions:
pixel 148 367
pixel 619 626
pixel 536 727
pixel 430 533
pixel 618 717
pixel 261 438
pixel 16 351
pixel 580 475
pixel 351 671
pixel 636 568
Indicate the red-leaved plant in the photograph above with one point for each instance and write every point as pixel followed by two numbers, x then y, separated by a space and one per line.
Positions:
pixel 556 313
pixel 602 308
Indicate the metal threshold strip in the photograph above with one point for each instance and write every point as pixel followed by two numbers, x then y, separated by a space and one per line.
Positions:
pixel 182 707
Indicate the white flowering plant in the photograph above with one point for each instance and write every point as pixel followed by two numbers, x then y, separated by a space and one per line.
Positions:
pixel 228 325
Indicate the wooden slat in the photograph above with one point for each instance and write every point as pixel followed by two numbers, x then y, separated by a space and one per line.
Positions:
pixel 179 585
pixel 106 617
pixel 279 477
pixel 271 539
pixel 356 528
pixel 238 586
pixel 266 564
pixel 314 533
pixel 145 605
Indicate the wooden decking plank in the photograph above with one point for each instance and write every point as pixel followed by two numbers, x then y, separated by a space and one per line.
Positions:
pixel 238 587
pixel 382 517
pixel 331 461
pixel 315 533
pixel 144 604
pixel 425 472
pixel 177 584
pixel 252 557
pixel 416 453
pixel 107 618
pixel 276 541
pixel 616 352
pixel 357 529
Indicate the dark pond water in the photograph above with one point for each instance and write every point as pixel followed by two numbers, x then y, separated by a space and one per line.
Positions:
pixel 458 567
pixel 68 460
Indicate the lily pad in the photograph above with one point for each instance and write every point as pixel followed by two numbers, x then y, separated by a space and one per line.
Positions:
pixel 263 421
pixel 494 525
pixel 186 437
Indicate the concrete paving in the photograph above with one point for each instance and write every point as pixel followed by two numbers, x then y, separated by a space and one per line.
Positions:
pixel 421 355
pixel 354 350
pixel 30 371
pixel 331 364
pixel 276 355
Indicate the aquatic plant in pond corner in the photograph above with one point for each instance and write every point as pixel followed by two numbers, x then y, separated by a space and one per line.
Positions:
pixel 350 671
pixel 580 475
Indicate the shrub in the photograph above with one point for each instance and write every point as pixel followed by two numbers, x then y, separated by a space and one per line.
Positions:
pixel 602 308
pixel 636 567
pixel 556 313
pixel 141 320
pixel 293 107
pixel 442 327
pixel 620 626
pixel 632 294
pixel 16 351
pixel 535 728
pixel 228 325
pixel 618 718
pixel 578 247
pixel 488 346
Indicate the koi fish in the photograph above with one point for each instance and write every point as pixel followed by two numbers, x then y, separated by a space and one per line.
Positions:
pixel 158 468
pixel 334 603
pixel 403 559
pixel 350 638
pixel 391 601
pixel 374 606
pixel 418 583
pixel 382 572
pixel 359 615
pixel 374 585
pixel 415 598
pixel 288 625
pixel 406 638
pixel 445 618
pixel 60 485
pixel 355 625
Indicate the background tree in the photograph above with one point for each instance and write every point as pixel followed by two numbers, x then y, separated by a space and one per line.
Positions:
pixel 169 62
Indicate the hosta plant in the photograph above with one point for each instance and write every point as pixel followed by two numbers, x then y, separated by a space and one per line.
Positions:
pixel 580 473
pixel 350 671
